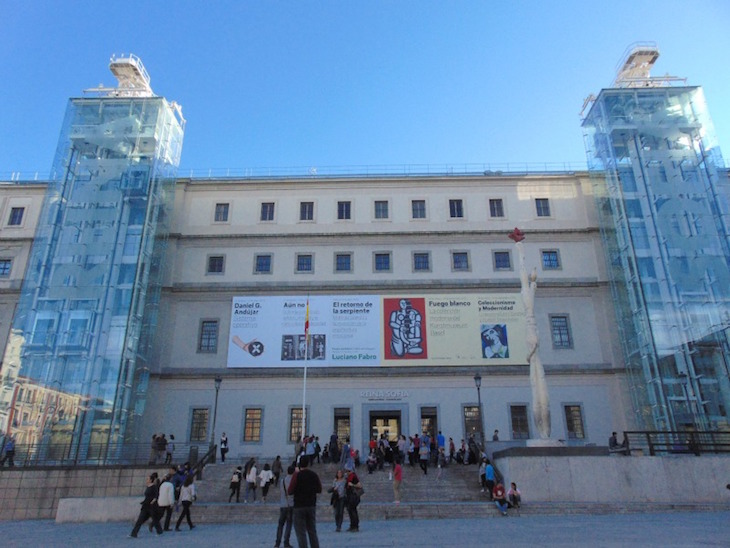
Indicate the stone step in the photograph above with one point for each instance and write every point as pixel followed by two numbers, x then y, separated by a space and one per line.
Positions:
pixel 369 511
pixel 458 483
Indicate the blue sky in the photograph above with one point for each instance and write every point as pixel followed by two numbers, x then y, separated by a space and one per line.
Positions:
pixel 351 83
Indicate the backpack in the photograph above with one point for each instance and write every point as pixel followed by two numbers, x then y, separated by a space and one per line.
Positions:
pixel 236 477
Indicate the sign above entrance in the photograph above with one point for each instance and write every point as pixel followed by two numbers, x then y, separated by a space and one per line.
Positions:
pixel 383 395
pixel 371 330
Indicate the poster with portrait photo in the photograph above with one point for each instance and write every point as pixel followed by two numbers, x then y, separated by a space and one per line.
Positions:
pixel 495 343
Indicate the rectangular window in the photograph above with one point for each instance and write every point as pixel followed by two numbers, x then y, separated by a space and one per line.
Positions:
pixel 343 210
pixel 542 206
pixel 550 260
pixel 305 263
pixel 78 329
pixel 520 424
pixel 43 331
pixel 502 260
pixel 215 264
pixel 208 339
pixel 199 425
pixel 418 209
pixel 262 264
pixel 5 265
pixel 381 209
pixel 496 208
pixel 252 425
pixel 295 424
pixel 460 261
pixel 560 329
pixel 221 213
pixel 472 421
pixel 343 262
pixel 456 209
pixel 382 262
pixel 421 262
pixel 306 211
pixel 342 423
pixel 16 216
pixel 267 211
pixel 574 422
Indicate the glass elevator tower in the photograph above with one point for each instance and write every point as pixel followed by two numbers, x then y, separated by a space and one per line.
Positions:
pixel 664 211
pixel 75 370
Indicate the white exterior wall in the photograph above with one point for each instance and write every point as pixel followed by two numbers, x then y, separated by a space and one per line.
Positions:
pixel 589 374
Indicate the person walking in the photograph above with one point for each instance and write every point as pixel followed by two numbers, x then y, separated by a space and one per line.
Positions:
pixel 235 485
pixel 440 463
pixel 441 441
pixel 9 452
pixel 305 486
pixel 166 501
pixel 338 498
pixel 424 453
pixel 187 496
pixel 347 460
pixel 402 447
pixel 285 510
pixel 352 500
pixel 277 469
pixel 170 449
pixel 334 447
pixel 148 510
pixel 490 477
pixel 482 473
pixel 250 474
pixel 266 477
pixel 397 480
pixel 224 447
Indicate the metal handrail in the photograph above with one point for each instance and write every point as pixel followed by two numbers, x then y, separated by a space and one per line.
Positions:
pixel 106 454
pixel 676 442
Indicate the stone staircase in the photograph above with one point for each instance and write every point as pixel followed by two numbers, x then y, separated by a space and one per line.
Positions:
pixel 456 495
pixel 458 483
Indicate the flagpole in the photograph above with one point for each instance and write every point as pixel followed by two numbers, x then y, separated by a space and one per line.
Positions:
pixel 306 359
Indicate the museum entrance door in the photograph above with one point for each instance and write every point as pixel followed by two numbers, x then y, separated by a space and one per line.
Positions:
pixel 385 422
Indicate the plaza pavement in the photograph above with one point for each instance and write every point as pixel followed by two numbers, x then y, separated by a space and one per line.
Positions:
pixel 635 530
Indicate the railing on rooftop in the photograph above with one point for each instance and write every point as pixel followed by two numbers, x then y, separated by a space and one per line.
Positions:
pixel 357 171
pixel 401 170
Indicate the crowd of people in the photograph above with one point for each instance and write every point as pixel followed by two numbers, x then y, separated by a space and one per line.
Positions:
pixel 162 449
pixel 176 489
pixel 298 485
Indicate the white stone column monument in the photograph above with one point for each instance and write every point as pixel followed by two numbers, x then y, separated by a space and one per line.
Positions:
pixel 540 398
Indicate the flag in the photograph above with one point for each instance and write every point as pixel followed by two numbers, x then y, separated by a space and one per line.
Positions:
pixel 306 322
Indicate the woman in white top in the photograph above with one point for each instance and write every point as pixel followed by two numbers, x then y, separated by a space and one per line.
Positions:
pixel 187 496
pixel 251 479
pixel 266 476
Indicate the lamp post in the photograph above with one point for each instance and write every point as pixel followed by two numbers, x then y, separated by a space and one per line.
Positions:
pixel 478 383
pixel 218 380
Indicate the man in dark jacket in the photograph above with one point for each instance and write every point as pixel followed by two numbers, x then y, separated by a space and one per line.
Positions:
pixel 149 508
pixel 305 485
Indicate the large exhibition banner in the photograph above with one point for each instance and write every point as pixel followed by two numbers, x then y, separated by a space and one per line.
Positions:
pixel 370 330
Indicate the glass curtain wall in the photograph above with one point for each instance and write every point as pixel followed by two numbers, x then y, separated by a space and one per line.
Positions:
pixel 75 370
pixel 664 211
